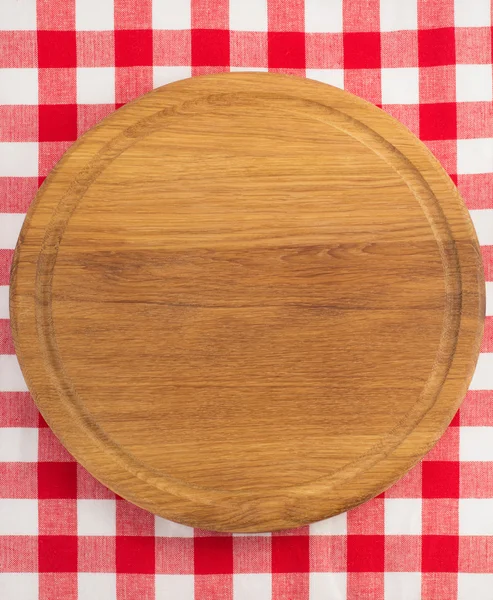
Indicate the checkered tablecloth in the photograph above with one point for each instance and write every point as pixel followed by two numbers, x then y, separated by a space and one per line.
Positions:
pixel 65 64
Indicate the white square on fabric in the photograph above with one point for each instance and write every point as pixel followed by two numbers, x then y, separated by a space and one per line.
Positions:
pixel 10 226
pixel 323 16
pixel 165 528
pixel 473 83
pixel 17 15
pixel 475 586
pixel 96 517
pixel 483 223
pixel 94 15
pixel 476 443
pixel 11 378
pixel 403 516
pixel 18 159
pixel 333 77
pixel 171 14
pixel 96 586
pixel 18 516
pixel 4 302
pixel 96 85
pixel 472 14
pixel 334 526
pixel 400 86
pixel 163 75
pixel 475 156
pixel 19 586
pixel 19 444
pixel 252 585
pixel 18 86
pixel 395 16
pixel 489 299
pixel 481 380
pixel 404 586
pixel 172 587
pixel 328 586
pixel 248 16
pixel 476 516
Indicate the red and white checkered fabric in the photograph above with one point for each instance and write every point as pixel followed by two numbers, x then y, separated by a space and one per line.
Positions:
pixel 65 64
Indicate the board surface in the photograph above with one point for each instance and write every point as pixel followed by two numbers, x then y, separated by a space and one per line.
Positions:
pixel 246 302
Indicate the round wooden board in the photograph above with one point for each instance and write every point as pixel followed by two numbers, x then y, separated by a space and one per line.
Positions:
pixel 246 302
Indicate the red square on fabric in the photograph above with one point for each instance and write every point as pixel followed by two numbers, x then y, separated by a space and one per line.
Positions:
pixel 365 553
pixel 58 585
pixel 440 553
pixel 18 49
pixel 291 554
pixel 475 120
pixel 129 15
pixel 324 51
pixel 440 479
pixel 138 586
pixel 95 48
pixel 367 519
pixel 57 553
pixel 440 516
pixel 210 47
pixel 18 123
pixel 286 50
pixel 171 47
pixel 5 262
pixel 56 49
pixel 438 121
pixel 437 84
pixel 133 47
pixel 17 409
pixel 132 520
pixel 96 554
pixel 328 553
pixel 403 553
pixel 213 555
pixel 174 556
pixel 57 517
pixel 57 480
pixel 399 48
pixel 366 83
pixel 362 50
pixel 476 480
pixel 473 45
pixel 57 86
pixel 18 554
pixel 487 254
pixel 135 554
pixel 365 586
pixel 55 14
pixel 19 480
pixel 6 341
pixel 57 122
pixel 436 47
pixel 248 49
pixel 252 554
pixel 435 586
pixel 476 554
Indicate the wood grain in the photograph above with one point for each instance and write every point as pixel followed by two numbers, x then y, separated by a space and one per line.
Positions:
pixel 246 302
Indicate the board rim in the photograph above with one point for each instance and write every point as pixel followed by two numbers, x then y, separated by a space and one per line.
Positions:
pixel 292 514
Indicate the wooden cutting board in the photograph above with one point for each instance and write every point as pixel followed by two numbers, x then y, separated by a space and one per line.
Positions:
pixel 246 302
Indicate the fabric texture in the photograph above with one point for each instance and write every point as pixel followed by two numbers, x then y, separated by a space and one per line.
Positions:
pixel 65 64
